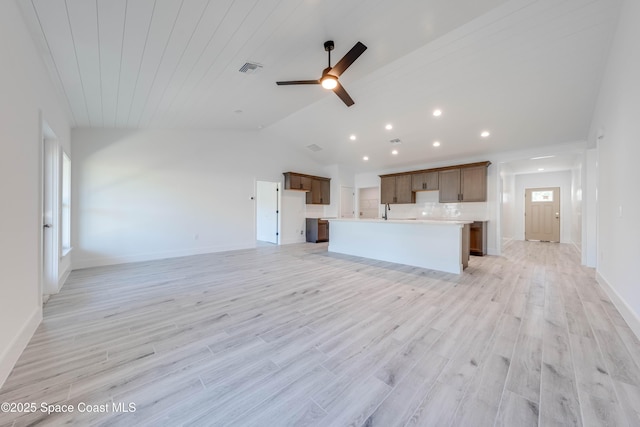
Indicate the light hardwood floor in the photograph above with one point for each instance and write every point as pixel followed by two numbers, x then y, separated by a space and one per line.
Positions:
pixel 297 336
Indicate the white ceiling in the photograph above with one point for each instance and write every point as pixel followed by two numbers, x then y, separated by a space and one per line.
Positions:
pixel 527 70
pixel 542 164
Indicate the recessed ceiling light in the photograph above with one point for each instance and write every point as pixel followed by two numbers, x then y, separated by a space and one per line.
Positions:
pixel 485 134
pixel 540 169
pixel 352 137
pixel 389 126
pixel 394 152
pixel 365 158
pixel 436 144
pixel 437 112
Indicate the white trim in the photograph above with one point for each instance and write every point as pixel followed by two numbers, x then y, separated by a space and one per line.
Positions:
pixel 578 248
pixel 12 353
pixel 506 241
pixel 151 256
pixel 300 239
pixel 64 277
pixel 627 313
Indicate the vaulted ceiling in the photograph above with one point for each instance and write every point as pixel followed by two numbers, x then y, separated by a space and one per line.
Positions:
pixel 528 71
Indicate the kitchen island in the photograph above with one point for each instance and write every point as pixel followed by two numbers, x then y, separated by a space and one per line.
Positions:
pixel 434 244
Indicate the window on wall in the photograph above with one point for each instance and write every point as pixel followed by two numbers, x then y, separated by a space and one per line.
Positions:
pixel 65 223
pixel 542 196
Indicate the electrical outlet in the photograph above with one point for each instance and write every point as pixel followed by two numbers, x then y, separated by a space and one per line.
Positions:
pixel 301 232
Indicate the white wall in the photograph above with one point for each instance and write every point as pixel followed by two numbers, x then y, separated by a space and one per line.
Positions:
pixel 293 225
pixel 616 118
pixel 576 202
pixel 590 209
pixel 27 99
pixel 142 195
pixel 538 180
pixel 508 206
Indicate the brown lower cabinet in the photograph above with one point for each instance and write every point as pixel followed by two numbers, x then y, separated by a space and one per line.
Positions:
pixel 317 230
pixel 478 238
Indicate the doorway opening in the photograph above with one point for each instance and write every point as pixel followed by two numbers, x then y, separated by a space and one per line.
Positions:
pixel 542 214
pixel 369 202
pixel 50 213
pixel 267 213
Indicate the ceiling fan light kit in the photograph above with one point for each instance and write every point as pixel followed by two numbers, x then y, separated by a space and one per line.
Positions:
pixel 329 82
pixel 330 75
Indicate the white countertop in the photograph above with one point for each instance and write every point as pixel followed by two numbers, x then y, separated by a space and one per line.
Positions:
pixel 404 221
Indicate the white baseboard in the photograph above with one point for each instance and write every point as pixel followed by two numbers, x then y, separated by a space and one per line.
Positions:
pixel 301 239
pixel 578 248
pixel 78 264
pixel 627 313
pixel 12 352
pixel 63 278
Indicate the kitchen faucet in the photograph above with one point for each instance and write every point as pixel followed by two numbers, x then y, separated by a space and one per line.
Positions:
pixel 386 207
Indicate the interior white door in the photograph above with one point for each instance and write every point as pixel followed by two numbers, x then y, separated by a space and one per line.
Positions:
pixel 267 211
pixel 542 214
pixel 50 205
pixel 347 197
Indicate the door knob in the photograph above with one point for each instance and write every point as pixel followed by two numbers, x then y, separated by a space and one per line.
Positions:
pixel 47 226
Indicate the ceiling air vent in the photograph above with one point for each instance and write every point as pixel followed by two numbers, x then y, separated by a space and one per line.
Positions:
pixel 250 68
pixel 395 141
pixel 314 147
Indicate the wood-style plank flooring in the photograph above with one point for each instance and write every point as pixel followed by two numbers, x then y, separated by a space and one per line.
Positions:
pixel 297 336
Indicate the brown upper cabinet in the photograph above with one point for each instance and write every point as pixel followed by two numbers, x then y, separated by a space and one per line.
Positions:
pixel 318 188
pixel 459 183
pixel 449 185
pixel 320 193
pixel 295 181
pixel 464 184
pixel 424 181
pixel 396 189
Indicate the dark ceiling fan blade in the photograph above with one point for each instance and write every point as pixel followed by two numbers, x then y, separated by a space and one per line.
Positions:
pixel 348 59
pixel 342 94
pixel 299 82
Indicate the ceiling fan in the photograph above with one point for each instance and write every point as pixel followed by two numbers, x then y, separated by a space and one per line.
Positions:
pixel 329 79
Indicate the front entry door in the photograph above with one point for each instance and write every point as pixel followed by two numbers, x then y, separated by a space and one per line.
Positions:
pixel 542 214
